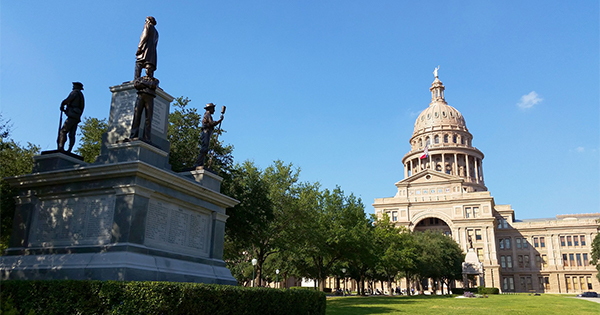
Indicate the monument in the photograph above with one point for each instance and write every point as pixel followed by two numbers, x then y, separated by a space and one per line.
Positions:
pixel 126 216
pixel 472 267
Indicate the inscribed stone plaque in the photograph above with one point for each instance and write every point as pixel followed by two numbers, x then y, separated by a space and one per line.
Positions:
pixel 76 220
pixel 174 228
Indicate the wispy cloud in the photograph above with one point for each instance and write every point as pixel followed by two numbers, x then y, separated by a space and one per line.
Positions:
pixel 529 100
pixel 580 149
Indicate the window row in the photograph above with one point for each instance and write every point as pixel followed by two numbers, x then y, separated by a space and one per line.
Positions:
pixel 572 240
pixel 429 191
pixel 446 138
pixel 471 212
pixel 575 259
pixel 502 223
pixel 474 235
pixel 578 283
pixel 539 242
pixel 506 262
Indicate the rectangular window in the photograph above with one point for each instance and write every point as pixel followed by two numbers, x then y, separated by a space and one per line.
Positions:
pixel 538 262
pixel 576 240
pixel 394 216
pixel 572 260
pixel 511 283
pixel 585 259
pixel 470 235
pixel 541 283
pixel 522 280
pixel 528 283
pixel 467 212
pixel 542 242
pixel 518 242
pixel 501 243
pixel 569 241
pixel 525 243
pixel 568 282
pixel 575 282
pixel 478 235
pixel 505 224
pixel 503 261
pixel 507 243
pixel 526 261
pixel 582 238
pixel 509 262
pixel 589 282
pixel 505 284
pixel 565 261
pixel 547 283
pixel 578 258
pixel 562 241
pixel 520 261
pixel 480 254
pixel 499 223
pixel 475 212
pixel 536 243
pixel 544 261
pixel 582 283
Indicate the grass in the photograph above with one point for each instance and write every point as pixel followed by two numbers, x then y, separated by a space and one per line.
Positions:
pixel 546 304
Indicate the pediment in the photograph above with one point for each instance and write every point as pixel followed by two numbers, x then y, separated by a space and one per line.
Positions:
pixel 429 177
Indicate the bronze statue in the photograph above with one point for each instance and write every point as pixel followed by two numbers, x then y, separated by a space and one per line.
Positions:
pixel 146 92
pixel 146 52
pixel 72 106
pixel 208 125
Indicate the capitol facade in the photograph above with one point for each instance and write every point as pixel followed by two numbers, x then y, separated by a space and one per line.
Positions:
pixel 444 189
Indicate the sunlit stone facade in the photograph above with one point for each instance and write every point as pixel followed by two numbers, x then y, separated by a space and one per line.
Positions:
pixel 444 189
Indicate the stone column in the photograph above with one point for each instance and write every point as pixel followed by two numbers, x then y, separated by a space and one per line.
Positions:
pixel 467 173
pixel 454 166
pixel 405 170
pixel 476 171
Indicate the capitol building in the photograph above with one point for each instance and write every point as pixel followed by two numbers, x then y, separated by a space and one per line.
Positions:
pixel 444 189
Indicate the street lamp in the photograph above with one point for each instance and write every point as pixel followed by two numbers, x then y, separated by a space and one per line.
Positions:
pixel 277 272
pixel 254 261
pixel 344 272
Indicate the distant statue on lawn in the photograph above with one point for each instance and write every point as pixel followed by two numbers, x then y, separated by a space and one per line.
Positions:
pixel 146 52
pixel 72 106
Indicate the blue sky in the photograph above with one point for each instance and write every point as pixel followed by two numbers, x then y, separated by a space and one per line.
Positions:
pixel 334 87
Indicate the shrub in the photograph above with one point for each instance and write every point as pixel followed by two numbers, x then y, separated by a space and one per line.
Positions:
pixel 484 290
pixel 117 297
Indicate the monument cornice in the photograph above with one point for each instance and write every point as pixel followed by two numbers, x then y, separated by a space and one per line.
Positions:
pixel 123 169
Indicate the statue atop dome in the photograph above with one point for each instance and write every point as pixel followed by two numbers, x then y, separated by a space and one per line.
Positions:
pixel 435 71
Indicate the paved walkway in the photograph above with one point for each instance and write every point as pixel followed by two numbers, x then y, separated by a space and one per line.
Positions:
pixel 597 300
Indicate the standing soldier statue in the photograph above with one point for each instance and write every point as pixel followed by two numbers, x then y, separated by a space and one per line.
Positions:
pixel 72 106
pixel 145 86
pixel 146 52
pixel 208 125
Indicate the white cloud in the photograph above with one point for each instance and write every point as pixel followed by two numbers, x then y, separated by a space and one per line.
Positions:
pixel 528 100
pixel 580 149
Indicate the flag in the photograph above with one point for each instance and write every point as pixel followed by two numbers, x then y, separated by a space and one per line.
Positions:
pixel 425 153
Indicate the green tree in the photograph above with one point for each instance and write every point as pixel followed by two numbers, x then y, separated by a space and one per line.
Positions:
pixel 91 131
pixel 440 259
pixel 14 160
pixel 596 254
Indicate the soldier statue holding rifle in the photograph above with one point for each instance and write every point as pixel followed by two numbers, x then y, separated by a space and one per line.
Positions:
pixel 72 106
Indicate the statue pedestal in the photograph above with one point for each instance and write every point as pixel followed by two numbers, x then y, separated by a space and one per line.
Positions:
pixel 126 216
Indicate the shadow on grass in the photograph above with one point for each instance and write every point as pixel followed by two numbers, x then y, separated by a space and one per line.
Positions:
pixel 362 305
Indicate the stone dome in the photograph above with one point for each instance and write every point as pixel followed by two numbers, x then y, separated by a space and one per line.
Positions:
pixel 439 114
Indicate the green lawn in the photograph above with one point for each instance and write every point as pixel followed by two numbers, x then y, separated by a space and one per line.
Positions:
pixel 546 304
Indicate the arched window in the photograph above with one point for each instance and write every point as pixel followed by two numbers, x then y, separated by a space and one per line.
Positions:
pixel 420 143
pixel 427 141
pixel 445 138
pixel 454 139
pixel 436 139
pixel 462 140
